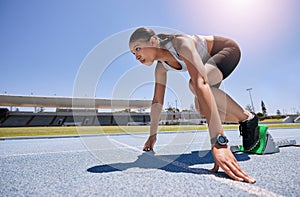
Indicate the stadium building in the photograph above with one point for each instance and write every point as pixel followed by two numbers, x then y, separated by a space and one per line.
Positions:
pixel 70 111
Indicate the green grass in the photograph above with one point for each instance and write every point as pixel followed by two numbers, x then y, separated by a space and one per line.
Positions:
pixel 54 131
pixel 282 126
pixel 272 120
pixel 50 131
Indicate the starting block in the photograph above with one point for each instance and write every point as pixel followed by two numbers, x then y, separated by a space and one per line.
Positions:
pixel 266 143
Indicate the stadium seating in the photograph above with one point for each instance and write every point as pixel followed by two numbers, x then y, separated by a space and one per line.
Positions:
pixel 58 121
pixel 89 121
pixel 41 120
pixel 66 118
pixel 16 121
pixel 104 120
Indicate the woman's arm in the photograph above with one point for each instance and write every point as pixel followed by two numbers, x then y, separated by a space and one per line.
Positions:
pixel 188 52
pixel 222 154
pixel 157 104
pixel 158 97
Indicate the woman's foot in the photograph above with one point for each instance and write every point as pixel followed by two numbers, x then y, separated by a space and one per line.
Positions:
pixel 249 131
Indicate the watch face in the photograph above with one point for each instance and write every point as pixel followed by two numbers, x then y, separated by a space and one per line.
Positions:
pixel 222 140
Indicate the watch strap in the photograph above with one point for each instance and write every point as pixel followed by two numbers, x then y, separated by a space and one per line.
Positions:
pixel 214 140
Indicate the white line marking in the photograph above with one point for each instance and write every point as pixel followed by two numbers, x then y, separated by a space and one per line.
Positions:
pixel 126 145
pixel 137 148
pixel 41 153
pixel 244 186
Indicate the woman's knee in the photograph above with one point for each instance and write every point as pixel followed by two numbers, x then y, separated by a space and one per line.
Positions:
pixel 214 75
pixel 198 84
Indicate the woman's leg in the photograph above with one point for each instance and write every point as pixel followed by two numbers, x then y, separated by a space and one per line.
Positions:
pixel 225 56
pixel 229 110
pixel 214 75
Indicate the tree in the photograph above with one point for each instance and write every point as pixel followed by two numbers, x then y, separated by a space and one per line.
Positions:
pixel 263 108
pixel 278 112
pixel 260 116
pixel 249 108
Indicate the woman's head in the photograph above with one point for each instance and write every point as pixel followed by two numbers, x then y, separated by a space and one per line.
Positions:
pixel 142 33
pixel 143 43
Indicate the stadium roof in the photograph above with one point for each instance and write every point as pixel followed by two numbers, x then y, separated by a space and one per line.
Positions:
pixel 70 102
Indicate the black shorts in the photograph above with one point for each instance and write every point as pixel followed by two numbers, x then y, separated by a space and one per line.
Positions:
pixel 225 54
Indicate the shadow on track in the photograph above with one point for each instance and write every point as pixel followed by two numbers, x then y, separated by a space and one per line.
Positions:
pixel 169 163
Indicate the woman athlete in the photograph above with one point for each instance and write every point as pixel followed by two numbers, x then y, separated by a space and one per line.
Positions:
pixel 208 60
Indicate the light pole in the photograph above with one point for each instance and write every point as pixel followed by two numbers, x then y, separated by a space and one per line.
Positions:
pixel 249 90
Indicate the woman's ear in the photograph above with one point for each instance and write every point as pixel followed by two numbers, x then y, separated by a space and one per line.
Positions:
pixel 154 41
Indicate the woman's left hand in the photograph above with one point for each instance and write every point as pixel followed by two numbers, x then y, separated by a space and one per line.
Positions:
pixel 225 159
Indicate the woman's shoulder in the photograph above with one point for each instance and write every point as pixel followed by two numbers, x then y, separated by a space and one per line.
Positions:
pixel 184 42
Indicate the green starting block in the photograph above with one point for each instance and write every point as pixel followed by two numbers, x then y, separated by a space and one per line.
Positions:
pixel 266 143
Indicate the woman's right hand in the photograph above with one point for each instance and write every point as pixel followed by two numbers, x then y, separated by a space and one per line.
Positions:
pixel 150 143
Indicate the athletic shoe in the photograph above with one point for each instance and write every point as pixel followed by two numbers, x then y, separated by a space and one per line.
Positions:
pixel 250 133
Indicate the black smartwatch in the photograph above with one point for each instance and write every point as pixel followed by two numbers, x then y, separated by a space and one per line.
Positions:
pixel 220 139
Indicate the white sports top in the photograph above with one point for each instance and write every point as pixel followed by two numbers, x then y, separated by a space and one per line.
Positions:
pixel 201 48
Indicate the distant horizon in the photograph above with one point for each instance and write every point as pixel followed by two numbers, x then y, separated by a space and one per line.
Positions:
pixel 52 109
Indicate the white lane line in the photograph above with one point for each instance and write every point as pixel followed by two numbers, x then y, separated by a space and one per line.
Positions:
pixel 126 145
pixel 41 153
pixel 137 148
pixel 247 187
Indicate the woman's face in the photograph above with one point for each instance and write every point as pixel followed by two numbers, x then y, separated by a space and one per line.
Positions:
pixel 144 51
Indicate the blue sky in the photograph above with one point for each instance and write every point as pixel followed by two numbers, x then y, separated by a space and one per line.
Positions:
pixel 44 43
